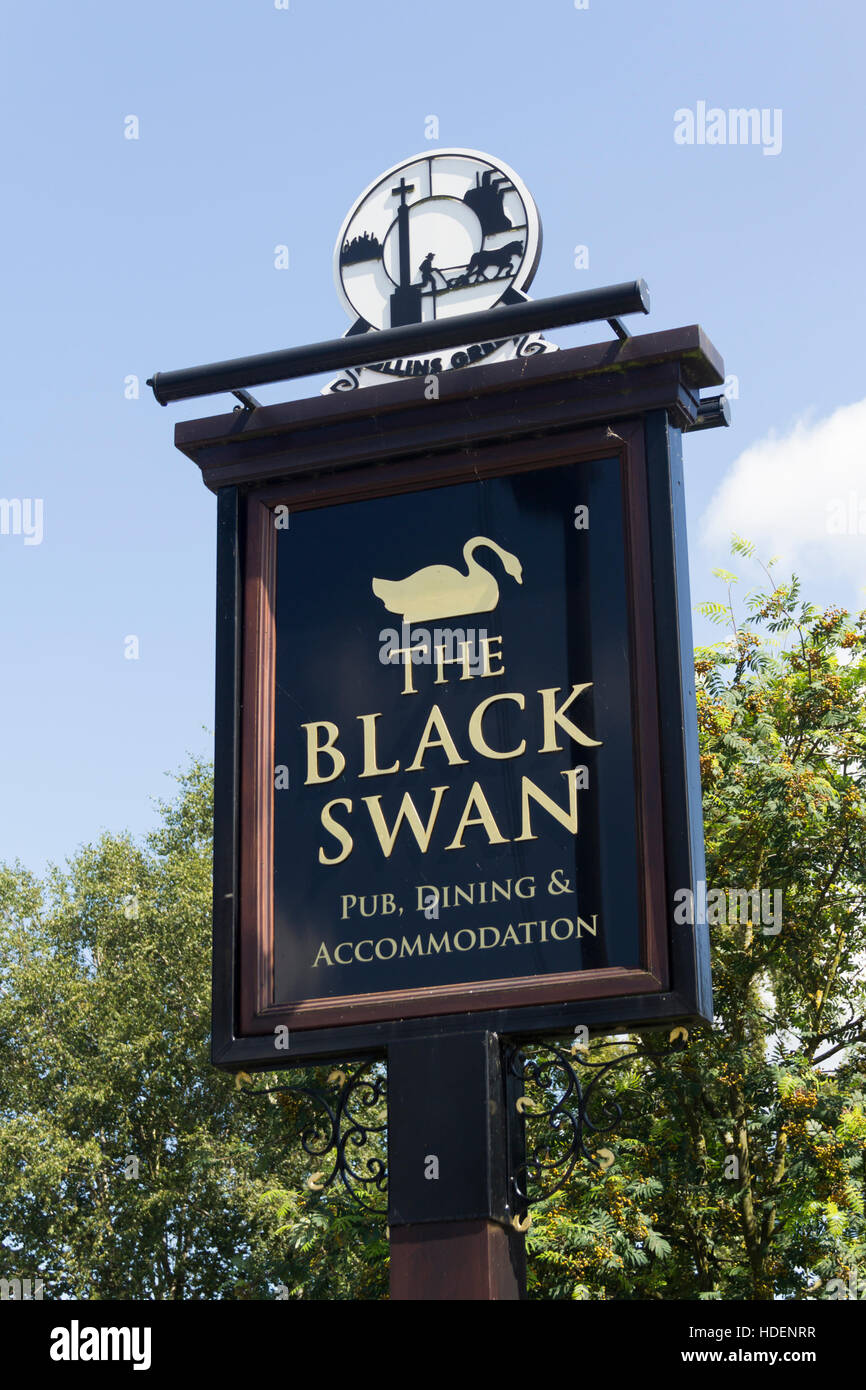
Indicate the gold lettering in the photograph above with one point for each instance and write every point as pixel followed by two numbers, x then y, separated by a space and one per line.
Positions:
pixel 477 799
pixel 422 833
pixel 314 748
pixel 339 832
pixel 463 658
pixel 406 652
pixel 488 669
pixel 436 720
pixel 371 767
pixel 529 791
pixel 476 733
pixel 554 716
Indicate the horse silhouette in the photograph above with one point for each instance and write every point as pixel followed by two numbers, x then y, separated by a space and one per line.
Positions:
pixel 482 261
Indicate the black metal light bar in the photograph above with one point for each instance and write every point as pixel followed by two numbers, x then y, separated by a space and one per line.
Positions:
pixel 713 411
pixel 357 350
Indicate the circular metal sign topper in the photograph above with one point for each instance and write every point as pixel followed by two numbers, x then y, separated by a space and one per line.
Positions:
pixel 444 233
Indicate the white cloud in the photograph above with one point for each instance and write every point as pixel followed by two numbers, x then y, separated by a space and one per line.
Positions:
pixel 801 496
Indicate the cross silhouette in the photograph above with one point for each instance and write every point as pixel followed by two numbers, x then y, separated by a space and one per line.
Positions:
pixel 403 230
pixel 402 190
pixel 406 299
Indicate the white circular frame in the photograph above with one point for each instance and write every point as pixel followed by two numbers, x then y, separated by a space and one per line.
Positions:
pixel 532 254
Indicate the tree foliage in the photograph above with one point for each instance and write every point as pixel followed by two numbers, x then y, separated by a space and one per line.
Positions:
pixel 745 1155
pixel 131 1168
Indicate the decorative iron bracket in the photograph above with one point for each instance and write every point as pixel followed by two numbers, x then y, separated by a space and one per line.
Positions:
pixel 342 1133
pixel 548 1132
pixel 548 1137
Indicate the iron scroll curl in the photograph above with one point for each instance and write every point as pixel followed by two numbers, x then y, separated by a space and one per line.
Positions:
pixel 566 1112
pixel 557 1113
pixel 349 1125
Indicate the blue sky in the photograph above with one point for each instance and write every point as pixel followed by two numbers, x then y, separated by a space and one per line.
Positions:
pixel 258 127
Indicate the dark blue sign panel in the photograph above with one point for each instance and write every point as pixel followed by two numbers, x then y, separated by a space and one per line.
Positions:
pixel 456 799
pixel 457 772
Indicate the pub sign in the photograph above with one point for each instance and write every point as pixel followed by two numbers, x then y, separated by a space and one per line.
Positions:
pixel 456 749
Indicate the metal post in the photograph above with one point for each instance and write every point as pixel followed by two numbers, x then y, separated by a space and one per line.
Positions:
pixel 450 1207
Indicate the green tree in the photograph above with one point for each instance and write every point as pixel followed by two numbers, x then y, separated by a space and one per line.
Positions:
pixel 129 1166
pixel 744 1156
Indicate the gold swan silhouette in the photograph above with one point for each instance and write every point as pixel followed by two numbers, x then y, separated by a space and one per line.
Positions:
pixel 442 592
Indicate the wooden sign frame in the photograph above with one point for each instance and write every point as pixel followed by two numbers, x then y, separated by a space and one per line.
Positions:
pixel 540 413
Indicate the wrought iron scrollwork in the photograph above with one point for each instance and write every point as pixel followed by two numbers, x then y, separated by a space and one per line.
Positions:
pixel 565 1112
pixel 530 345
pixel 345 1131
pixel 349 381
pixel 559 1120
